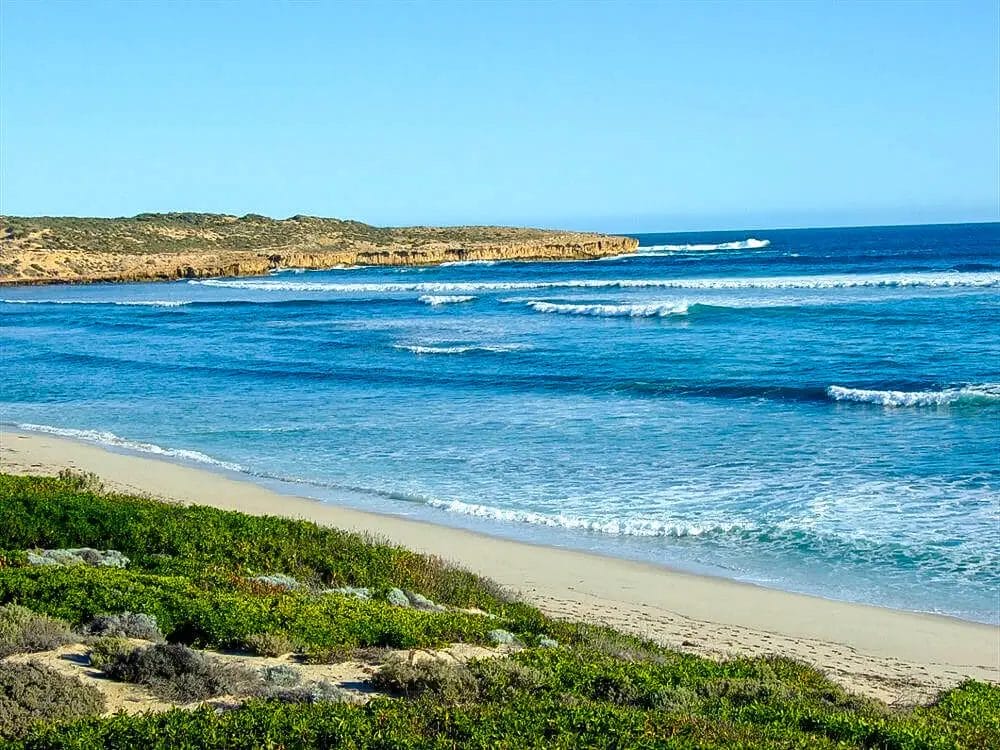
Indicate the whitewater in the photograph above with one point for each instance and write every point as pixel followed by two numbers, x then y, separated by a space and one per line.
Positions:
pixel 812 410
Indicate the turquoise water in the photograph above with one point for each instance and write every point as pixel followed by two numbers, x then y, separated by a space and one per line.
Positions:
pixel 814 410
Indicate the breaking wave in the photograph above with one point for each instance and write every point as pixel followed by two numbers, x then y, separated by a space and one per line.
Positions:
pixel 987 393
pixel 110 439
pixel 750 243
pixel 460 348
pixel 445 299
pixel 645 527
pixel 636 310
pixel 124 303
pixel 845 281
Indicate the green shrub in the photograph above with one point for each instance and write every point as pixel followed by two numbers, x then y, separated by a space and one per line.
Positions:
pixel 178 673
pixel 24 631
pixel 106 651
pixel 269 644
pixel 450 682
pixel 30 693
pixel 46 512
pixel 210 614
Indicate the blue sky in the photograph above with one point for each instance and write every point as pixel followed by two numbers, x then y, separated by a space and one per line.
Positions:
pixel 609 116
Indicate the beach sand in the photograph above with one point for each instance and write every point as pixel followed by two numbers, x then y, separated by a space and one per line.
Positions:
pixel 899 657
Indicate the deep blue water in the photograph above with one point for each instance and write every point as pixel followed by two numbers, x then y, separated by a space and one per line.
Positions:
pixel 815 410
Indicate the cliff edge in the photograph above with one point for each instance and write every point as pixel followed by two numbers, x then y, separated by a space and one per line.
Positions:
pixel 152 247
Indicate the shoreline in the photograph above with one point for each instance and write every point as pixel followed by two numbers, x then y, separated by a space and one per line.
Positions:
pixel 901 657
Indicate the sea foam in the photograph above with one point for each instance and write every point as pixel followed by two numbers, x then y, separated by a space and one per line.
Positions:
pixel 123 303
pixel 109 438
pixel 751 243
pixel 435 300
pixel 643 527
pixel 832 281
pixel 986 393
pixel 635 310
pixel 460 348
pixel 647 251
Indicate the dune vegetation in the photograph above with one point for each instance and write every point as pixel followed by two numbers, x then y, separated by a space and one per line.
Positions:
pixel 167 597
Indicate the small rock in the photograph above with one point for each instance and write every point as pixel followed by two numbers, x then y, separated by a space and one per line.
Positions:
pixel 397 598
pixel 546 642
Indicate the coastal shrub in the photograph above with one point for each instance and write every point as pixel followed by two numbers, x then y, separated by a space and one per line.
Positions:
pixel 79 556
pixel 16 558
pixel 321 691
pixel 221 617
pixel 340 654
pixel 53 512
pixel 178 673
pixel 81 481
pixel 269 644
pixel 447 681
pixel 24 631
pixel 526 722
pixel 30 693
pixel 281 676
pixel 277 581
pixel 125 625
pixel 105 651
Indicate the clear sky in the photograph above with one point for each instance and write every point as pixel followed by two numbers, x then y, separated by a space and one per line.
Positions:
pixel 610 116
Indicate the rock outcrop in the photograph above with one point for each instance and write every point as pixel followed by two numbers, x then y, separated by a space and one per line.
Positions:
pixel 153 247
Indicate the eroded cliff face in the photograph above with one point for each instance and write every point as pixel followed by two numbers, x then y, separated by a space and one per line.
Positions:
pixel 46 255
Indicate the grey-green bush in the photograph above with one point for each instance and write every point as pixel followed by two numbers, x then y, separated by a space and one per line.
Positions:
pixel 23 631
pixel 30 693
pixel 125 625
pixel 448 681
pixel 178 673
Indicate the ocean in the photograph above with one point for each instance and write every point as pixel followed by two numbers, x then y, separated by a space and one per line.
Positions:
pixel 811 410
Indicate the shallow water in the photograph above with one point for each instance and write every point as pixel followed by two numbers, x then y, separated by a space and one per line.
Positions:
pixel 816 410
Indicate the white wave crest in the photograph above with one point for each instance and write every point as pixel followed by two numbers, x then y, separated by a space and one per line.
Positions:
pixel 637 310
pixel 460 348
pixel 751 243
pixel 469 263
pixel 296 270
pixel 124 303
pixel 109 438
pixel 646 527
pixel 445 299
pixel 985 393
pixel 846 281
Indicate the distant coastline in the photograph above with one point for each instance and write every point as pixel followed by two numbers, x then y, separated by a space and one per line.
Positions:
pixel 167 247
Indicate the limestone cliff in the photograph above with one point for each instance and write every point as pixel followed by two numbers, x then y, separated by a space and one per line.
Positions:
pixel 151 247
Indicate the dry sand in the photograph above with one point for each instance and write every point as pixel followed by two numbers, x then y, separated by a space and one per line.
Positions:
pixel 899 657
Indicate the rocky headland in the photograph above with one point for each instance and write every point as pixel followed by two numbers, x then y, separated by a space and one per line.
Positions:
pixel 155 247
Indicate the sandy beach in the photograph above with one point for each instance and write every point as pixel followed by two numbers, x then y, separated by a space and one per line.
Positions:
pixel 900 657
